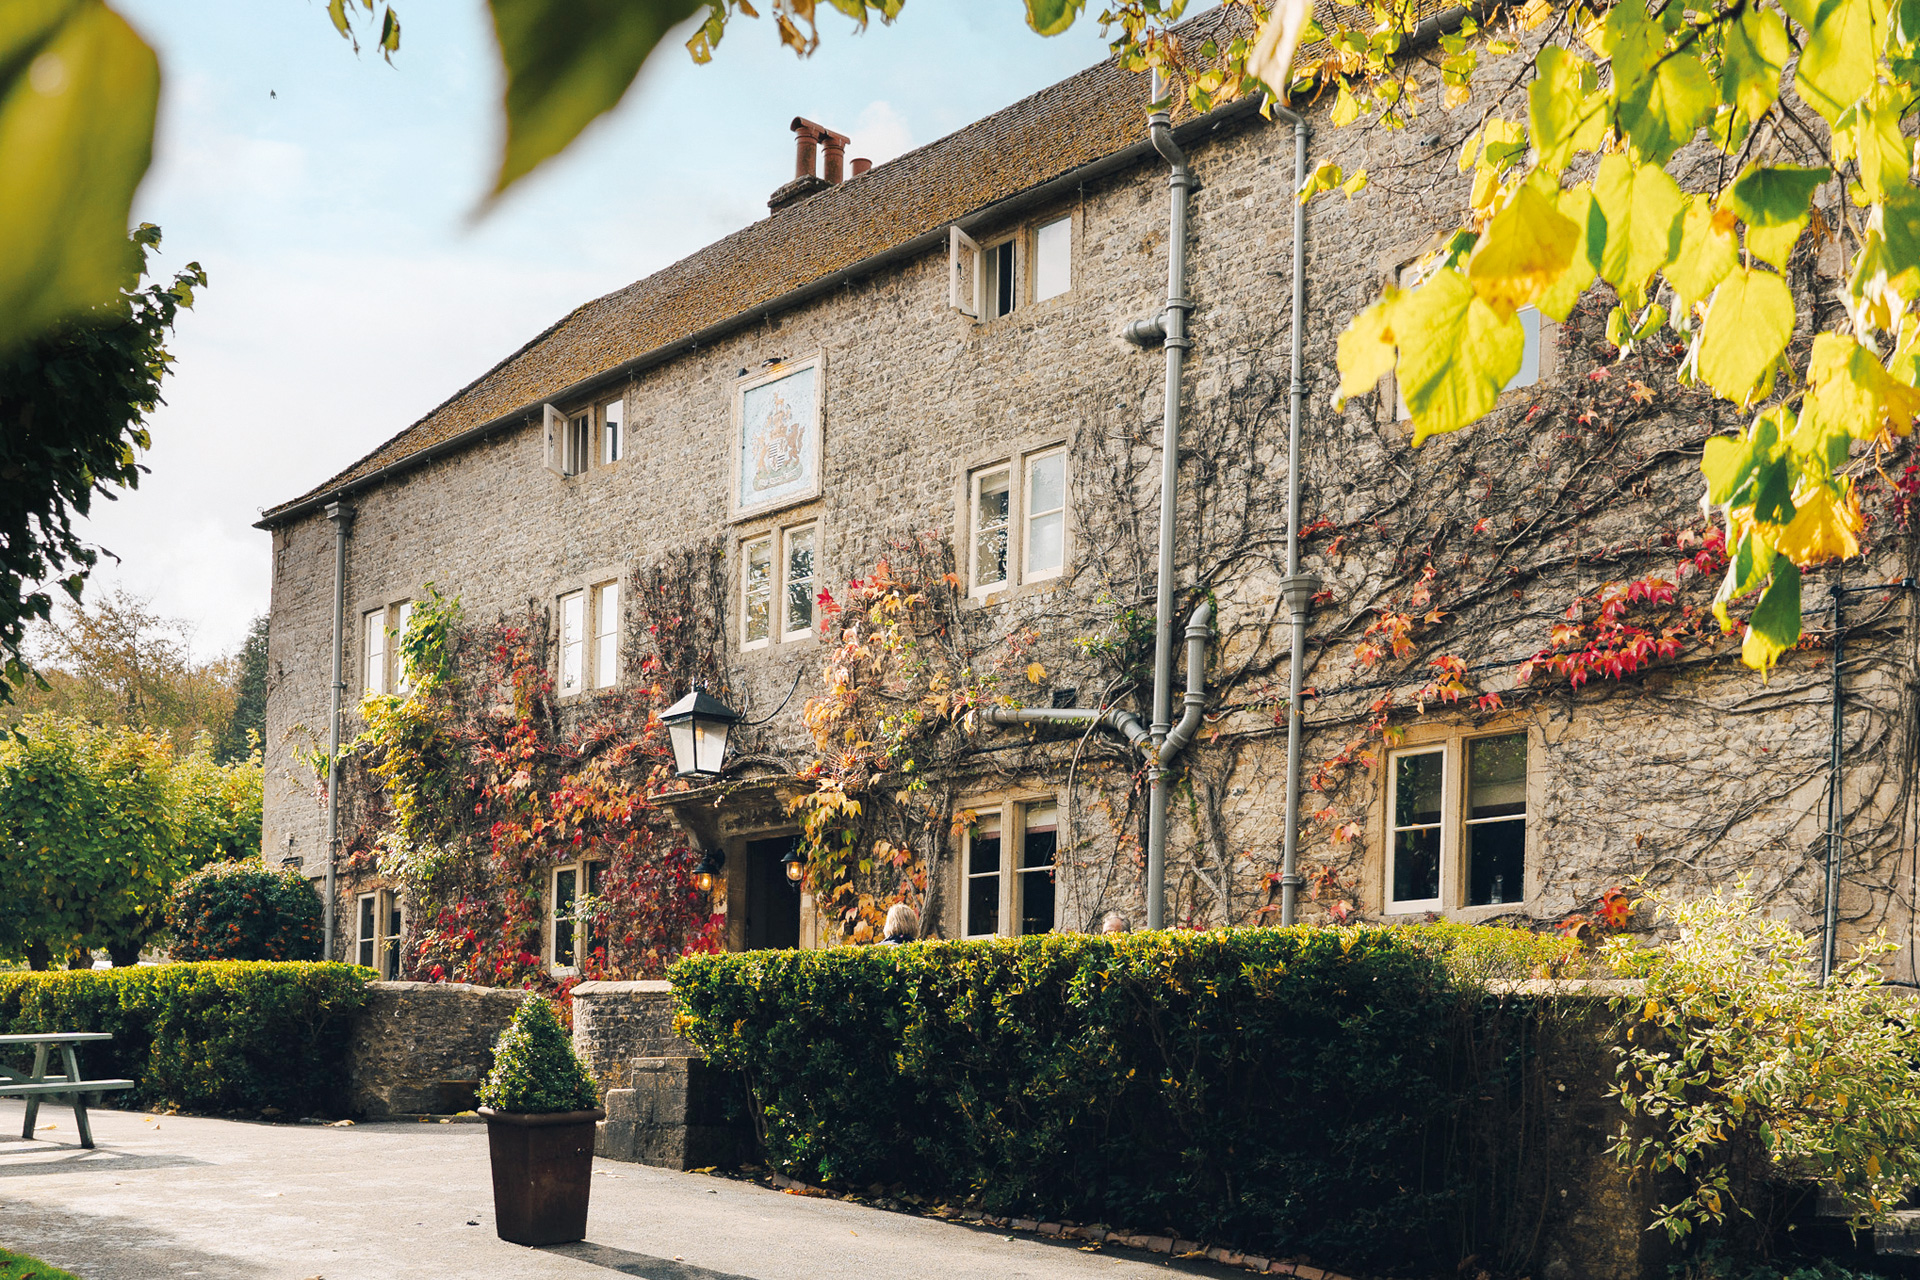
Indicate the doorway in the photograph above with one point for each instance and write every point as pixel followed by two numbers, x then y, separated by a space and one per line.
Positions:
pixel 773 901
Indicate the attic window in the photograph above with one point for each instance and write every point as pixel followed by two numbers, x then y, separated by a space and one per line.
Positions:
pixel 997 277
pixel 1052 259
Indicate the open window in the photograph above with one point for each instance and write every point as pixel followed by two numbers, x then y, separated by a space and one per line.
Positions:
pixel 963 273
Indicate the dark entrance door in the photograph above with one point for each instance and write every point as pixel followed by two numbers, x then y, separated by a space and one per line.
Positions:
pixel 773 901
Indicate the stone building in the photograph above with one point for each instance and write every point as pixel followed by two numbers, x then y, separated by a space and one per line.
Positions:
pixel 924 361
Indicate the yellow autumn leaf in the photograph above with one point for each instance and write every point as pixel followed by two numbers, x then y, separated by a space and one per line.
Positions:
pixel 1455 354
pixel 1747 328
pixel 1035 673
pixel 1526 247
pixel 1825 525
pixel 1365 350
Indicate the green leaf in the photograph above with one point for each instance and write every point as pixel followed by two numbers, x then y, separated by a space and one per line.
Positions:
pixel 1563 112
pixel 1456 354
pixel 1707 252
pixel 1773 492
pixel 1837 63
pixel 1774 626
pixel 1774 196
pixel 1662 96
pixel 78 91
pixel 1754 49
pixel 568 62
pixel 1051 17
pixel 1643 207
pixel 1752 562
pixel 1748 324
pixel 1775 203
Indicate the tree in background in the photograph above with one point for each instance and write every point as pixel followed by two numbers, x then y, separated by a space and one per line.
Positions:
pixel 241 910
pixel 247 725
pixel 119 663
pixel 97 824
pixel 73 406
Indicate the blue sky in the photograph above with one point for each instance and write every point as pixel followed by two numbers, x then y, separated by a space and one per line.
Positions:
pixel 331 199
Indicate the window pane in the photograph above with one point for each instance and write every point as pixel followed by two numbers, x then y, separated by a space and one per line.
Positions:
pixel 1497 776
pixel 983 856
pixel 606 636
pixel 402 615
pixel 1052 272
pixel 374 664
pixel 1530 353
pixel 1036 869
pixel 1416 789
pixel 1046 483
pixel 1496 861
pixel 573 620
pixel 564 882
pixel 990 528
pixel 799 614
pixel 757 590
pixel 613 418
pixel 1416 865
pixel 365 934
pixel 1000 276
pixel 1046 543
pixel 983 904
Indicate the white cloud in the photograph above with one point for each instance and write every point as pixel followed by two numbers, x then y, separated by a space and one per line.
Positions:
pixel 881 133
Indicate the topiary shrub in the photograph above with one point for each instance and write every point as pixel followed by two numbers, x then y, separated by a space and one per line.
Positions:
pixel 535 1068
pixel 244 911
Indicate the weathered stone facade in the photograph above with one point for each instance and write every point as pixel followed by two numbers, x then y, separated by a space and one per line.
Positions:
pixel 1691 771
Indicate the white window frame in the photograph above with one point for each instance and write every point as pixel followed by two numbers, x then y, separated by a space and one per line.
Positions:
pixel 374 663
pixel 976 482
pixel 374 945
pixel 1065 224
pixel 612 417
pixel 1454 746
pixel 573 641
pixel 1445 874
pixel 963 273
pixel 578 446
pixel 1010 905
pixel 998 875
pixel 779 543
pixel 383 671
pixel 603 633
pixel 1027 572
pixel 366 931
pixel 584 875
pixel 811 530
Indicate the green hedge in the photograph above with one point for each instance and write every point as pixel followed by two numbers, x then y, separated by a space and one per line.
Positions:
pixel 245 910
pixel 218 1036
pixel 1274 1088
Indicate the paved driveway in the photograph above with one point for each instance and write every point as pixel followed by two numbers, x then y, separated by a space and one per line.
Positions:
pixel 184 1196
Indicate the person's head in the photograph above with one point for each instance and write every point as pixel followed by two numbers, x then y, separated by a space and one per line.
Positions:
pixel 903 923
pixel 1114 922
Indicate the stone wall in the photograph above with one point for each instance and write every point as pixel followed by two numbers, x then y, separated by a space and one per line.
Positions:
pixel 422 1048
pixel 616 1022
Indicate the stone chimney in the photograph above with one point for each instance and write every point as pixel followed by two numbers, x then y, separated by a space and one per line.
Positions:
pixel 808 138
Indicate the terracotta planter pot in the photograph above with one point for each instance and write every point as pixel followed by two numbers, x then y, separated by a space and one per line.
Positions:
pixel 542 1174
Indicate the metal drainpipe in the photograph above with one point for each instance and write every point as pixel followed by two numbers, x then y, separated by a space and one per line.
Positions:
pixel 1174 321
pixel 342 516
pixel 1297 587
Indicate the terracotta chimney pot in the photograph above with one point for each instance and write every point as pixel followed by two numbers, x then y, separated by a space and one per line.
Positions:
pixel 860 165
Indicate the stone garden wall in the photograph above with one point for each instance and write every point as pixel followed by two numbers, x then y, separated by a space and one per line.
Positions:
pixel 422 1048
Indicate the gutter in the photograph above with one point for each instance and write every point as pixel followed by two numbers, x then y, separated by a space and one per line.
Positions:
pixel 925 242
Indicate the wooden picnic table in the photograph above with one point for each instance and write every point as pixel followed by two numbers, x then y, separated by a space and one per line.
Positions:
pixel 34 1085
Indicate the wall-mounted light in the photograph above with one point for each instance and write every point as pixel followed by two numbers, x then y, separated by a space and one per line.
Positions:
pixel 697 726
pixel 796 865
pixel 712 863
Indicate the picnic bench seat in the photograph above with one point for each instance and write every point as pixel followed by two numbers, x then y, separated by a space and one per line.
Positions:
pixel 35 1085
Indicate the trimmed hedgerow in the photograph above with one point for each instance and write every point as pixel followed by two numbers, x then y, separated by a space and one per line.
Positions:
pixel 218 1036
pixel 535 1067
pixel 1262 1086
pixel 245 911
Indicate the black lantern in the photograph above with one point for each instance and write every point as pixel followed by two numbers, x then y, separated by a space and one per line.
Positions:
pixel 697 726
pixel 712 863
pixel 795 865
